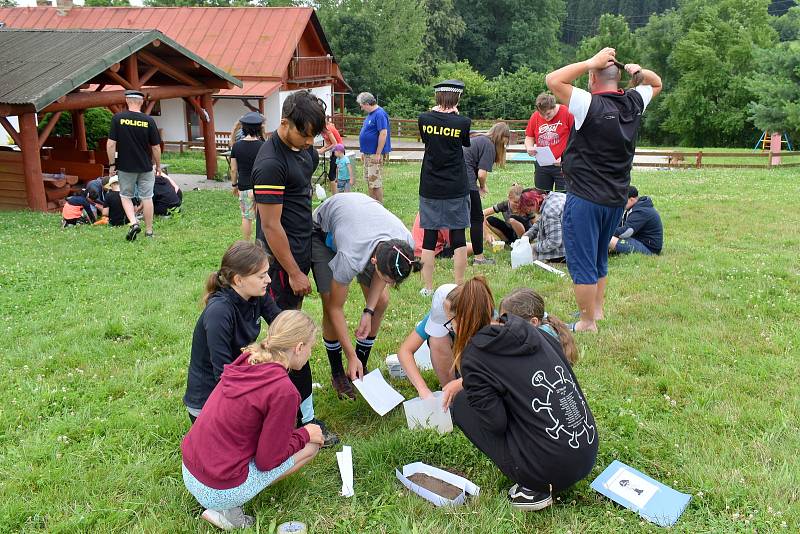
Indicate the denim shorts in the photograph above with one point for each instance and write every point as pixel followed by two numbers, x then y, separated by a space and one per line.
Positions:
pixel 588 228
pixel 629 245
pixel 136 184
pixel 217 499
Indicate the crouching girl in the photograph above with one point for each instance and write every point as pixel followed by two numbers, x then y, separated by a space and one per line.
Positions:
pixel 521 404
pixel 245 438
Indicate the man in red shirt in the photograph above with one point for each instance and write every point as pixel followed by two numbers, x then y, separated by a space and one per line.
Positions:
pixel 549 126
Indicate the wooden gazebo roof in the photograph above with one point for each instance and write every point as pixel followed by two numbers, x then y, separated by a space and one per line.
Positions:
pixel 73 70
pixel 41 66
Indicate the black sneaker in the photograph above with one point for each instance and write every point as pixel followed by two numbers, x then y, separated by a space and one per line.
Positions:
pixel 133 232
pixel 530 500
pixel 330 438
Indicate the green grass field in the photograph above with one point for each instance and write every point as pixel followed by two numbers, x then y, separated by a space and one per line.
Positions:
pixel 690 378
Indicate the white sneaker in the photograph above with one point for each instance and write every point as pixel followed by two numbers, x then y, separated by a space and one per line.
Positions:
pixel 229 519
pixel 425 292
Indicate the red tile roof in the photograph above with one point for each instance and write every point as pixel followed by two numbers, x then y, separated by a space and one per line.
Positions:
pixel 252 42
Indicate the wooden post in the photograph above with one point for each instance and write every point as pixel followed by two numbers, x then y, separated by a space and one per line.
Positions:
pixel 775 148
pixel 79 129
pixel 209 142
pixel 699 163
pixel 32 165
pixel 261 105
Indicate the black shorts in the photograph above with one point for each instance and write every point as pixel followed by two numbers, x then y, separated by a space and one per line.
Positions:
pixel 506 229
pixel 280 289
pixel 549 178
pixel 332 168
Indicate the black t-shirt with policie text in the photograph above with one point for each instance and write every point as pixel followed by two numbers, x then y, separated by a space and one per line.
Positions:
pixel 283 176
pixel 245 152
pixel 443 173
pixel 135 134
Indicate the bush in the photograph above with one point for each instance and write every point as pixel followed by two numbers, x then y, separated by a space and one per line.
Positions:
pixel 97 120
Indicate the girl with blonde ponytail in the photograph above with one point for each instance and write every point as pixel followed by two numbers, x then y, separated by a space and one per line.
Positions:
pixel 245 439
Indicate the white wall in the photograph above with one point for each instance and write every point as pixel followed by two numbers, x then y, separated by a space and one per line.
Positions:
pixel 272 111
pixel 324 93
pixel 227 111
pixel 5 139
pixel 172 120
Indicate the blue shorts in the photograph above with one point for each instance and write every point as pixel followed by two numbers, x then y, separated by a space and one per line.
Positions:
pixel 217 499
pixel 629 245
pixel 588 228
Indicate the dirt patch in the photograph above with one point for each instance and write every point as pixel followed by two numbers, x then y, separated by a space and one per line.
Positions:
pixel 439 487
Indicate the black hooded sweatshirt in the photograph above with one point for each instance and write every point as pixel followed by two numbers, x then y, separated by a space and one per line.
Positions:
pixel 643 223
pixel 227 325
pixel 518 381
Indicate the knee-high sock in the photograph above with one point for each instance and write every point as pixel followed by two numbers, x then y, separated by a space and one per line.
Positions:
pixel 334 350
pixel 363 348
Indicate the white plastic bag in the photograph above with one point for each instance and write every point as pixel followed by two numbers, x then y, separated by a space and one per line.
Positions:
pixel 320 192
pixel 521 253
pixel 428 413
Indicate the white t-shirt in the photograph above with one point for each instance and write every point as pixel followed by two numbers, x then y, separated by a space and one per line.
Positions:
pixel 580 100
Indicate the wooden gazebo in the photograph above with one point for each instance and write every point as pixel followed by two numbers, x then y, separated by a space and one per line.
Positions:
pixel 74 70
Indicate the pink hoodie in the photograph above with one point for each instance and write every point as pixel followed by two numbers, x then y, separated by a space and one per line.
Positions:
pixel 250 415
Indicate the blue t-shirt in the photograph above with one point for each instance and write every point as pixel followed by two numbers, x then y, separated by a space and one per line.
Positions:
pixel 420 328
pixel 343 174
pixel 373 124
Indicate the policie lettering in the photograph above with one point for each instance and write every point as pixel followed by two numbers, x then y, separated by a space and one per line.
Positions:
pixel 438 130
pixel 131 122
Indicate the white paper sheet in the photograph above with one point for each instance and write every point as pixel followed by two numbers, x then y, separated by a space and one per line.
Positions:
pixel 345 461
pixel 381 396
pixel 631 487
pixel 544 156
pixel 546 267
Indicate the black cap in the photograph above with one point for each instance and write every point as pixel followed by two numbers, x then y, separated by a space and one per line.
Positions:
pixel 453 86
pixel 252 118
pixel 133 93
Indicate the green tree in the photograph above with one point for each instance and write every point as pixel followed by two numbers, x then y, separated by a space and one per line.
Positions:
pixel 508 34
pixel 707 106
pixel 788 24
pixel 8 3
pixel 614 32
pixel 377 43
pixel 776 86
pixel 514 94
pixel 444 26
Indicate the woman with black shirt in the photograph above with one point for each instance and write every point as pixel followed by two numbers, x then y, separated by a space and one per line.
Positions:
pixel 521 404
pixel 243 154
pixel 443 189
pixel 480 156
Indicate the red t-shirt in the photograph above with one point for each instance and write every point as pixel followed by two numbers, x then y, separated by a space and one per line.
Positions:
pixel 554 133
pixel 335 133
